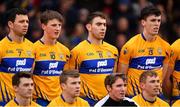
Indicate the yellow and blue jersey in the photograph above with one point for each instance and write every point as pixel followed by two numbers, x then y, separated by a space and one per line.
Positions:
pixel 50 61
pixel 176 104
pixel 94 63
pixel 142 102
pixel 60 101
pixel 14 103
pixel 15 57
pixel 175 63
pixel 143 55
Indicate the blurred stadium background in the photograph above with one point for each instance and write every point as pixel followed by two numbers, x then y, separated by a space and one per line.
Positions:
pixel 122 18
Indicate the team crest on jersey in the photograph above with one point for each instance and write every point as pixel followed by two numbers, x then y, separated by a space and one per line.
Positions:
pixel 151 50
pixel 52 55
pixel 9 51
pixel 100 53
pixel 125 51
pixel 109 54
pixel 61 56
pixel 159 50
pixel 29 53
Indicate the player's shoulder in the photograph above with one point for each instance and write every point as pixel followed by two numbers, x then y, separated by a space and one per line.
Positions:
pixel 109 46
pixel 134 39
pixel 81 46
pixel 62 46
pixel 28 42
pixel 177 42
pixel 163 42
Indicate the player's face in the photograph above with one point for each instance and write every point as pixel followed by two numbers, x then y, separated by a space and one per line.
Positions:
pixel 98 28
pixel 53 28
pixel 151 24
pixel 118 90
pixel 20 25
pixel 25 88
pixel 72 86
pixel 152 85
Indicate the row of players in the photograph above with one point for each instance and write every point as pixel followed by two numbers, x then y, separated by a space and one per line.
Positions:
pixel 94 58
pixel 115 84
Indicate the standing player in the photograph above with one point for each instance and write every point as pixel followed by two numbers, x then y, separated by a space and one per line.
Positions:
pixel 94 59
pixel 15 52
pixel 70 84
pixel 173 69
pixel 145 51
pixel 23 86
pixel 50 58
pixel 150 85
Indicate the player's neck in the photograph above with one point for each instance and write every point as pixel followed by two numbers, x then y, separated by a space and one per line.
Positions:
pixel 16 38
pixel 23 101
pixel 149 37
pixel 148 97
pixel 94 40
pixel 68 98
pixel 48 41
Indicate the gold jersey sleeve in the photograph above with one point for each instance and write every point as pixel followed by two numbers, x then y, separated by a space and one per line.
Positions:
pixel 14 57
pixel 144 103
pixel 49 64
pixel 175 64
pixel 141 55
pixel 60 102
pixel 94 63
pixel 176 104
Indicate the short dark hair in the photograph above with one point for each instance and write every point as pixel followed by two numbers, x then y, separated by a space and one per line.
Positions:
pixel 16 78
pixel 68 73
pixel 94 15
pixel 145 74
pixel 149 10
pixel 49 15
pixel 11 14
pixel 111 79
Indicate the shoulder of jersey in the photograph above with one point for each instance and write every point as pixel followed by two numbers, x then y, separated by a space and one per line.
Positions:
pixel 176 42
pixel 62 45
pixel 4 40
pixel 164 43
pixel 133 40
pixel 109 45
pixel 28 41
pixel 81 45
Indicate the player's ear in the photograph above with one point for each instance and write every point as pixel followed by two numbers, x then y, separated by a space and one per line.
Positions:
pixel 142 22
pixel 108 87
pixel 88 27
pixel 43 26
pixel 10 24
pixel 15 88
pixel 63 85
pixel 142 85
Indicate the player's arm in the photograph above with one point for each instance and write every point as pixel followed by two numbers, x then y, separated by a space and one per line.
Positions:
pixel 1 52
pixel 116 55
pixel 125 54
pixel 123 68
pixel 168 68
pixel 73 60
pixel 67 55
